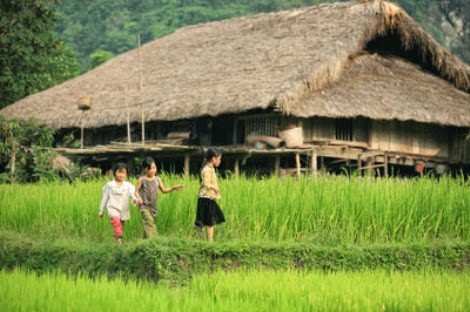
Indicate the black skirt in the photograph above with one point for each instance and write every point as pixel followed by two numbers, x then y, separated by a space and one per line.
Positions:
pixel 208 212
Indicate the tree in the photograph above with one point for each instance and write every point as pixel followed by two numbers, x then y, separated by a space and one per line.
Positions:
pixel 32 57
pixel 25 151
pixel 99 57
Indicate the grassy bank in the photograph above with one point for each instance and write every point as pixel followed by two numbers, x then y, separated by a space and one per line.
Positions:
pixel 175 261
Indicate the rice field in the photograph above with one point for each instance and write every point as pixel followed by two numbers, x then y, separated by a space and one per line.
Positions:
pixel 326 210
pixel 241 291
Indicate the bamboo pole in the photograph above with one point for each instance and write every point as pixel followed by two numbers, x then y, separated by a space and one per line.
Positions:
pixel 128 117
pixel 141 93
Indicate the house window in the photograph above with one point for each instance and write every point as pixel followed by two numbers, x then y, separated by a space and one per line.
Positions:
pixel 344 129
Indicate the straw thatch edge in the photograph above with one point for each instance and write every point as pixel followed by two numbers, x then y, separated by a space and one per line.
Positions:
pixel 391 19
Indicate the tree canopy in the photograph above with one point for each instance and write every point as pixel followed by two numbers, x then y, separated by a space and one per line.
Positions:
pixel 32 56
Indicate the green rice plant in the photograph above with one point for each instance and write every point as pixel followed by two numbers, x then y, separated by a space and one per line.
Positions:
pixel 323 210
pixel 254 290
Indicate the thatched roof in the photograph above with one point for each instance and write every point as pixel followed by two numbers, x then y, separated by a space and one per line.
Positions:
pixel 316 61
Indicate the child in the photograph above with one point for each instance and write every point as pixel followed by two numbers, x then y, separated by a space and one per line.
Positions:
pixel 208 211
pixel 115 197
pixel 147 193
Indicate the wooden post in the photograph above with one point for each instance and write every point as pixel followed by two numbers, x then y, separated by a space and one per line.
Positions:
pixel 370 163
pixel 297 164
pixel 234 134
pixel 359 164
pixel 313 162
pixel 277 164
pixel 186 164
pixel 236 167
pixel 386 165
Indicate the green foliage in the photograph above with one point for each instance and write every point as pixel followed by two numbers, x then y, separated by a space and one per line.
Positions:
pixel 328 210
pixel 99 57
pixel 32 58
pixel 24 153
pixel 176 260
pixel 253 290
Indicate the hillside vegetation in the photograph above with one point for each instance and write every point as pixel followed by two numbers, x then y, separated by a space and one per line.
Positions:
pixel 113 25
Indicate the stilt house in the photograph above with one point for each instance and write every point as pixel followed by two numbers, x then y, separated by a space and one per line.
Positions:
pixel 357 85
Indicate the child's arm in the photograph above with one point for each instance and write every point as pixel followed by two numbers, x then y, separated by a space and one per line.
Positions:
pixel 138 199
pixel 132 193
pixel 168 189
pixel 104 199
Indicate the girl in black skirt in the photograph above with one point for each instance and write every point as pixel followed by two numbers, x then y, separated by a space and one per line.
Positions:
pixel 208 211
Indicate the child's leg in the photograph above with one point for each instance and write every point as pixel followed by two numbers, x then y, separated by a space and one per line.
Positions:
pixel 210 234
pixel 150 230
pixel 118 227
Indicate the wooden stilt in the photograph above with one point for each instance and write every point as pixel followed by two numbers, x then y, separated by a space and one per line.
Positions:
pixel 359 164
pixel 370 163
pixel 313 162
pixel 386 165
pixel 277 165
pixel 186 164
pixel 236 167
pixel 297 164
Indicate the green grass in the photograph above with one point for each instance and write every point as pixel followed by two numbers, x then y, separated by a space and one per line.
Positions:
pixel 326 210
pixel 242 291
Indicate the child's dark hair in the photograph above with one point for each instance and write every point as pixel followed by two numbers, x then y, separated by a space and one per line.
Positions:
pixel 147 162
pixel 119 166
pixel 213 152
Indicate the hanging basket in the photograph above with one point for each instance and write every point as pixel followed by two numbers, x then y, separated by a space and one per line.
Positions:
pixel 293 137
pixel 85 103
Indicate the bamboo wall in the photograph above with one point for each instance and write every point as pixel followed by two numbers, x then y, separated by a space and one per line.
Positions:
pixel 410 138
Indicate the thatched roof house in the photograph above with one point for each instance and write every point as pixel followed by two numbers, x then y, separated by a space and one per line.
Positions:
pixel 364 59
pixel 305 62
